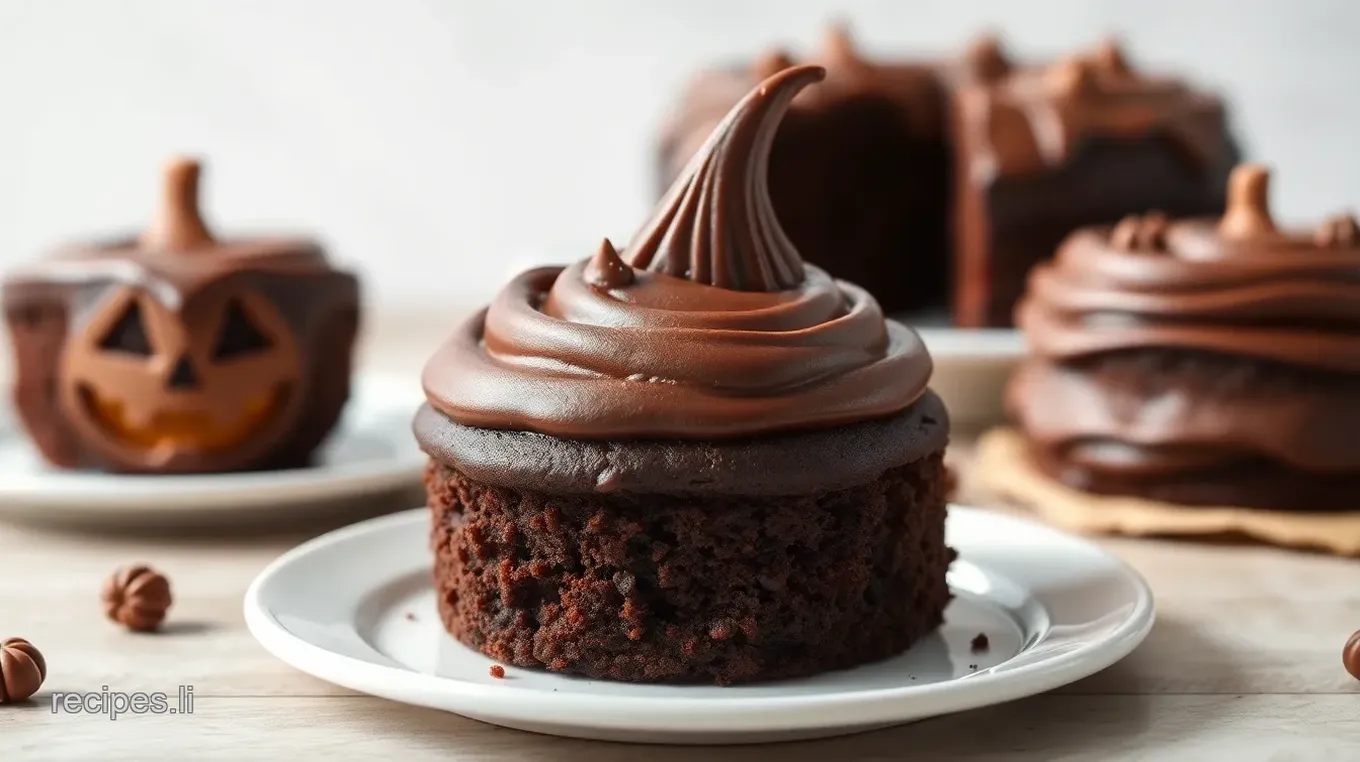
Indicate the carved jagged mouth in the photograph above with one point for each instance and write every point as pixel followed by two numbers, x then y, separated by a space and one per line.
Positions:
pixel 185 429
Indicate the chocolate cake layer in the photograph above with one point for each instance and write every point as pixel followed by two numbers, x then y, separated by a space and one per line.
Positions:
pixel 1196 428
pixel 665 588
pixel 787 464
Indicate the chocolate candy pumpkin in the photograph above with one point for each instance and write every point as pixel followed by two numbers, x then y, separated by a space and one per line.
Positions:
pixel 177 352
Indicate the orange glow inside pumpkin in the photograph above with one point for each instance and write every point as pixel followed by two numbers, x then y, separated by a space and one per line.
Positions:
pixel 185 429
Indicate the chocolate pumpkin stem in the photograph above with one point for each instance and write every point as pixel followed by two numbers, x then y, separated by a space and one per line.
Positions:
pixel 838 46
pixel 1072 78
pixel 986 58
pixel 1109 57
pixel 178 226
pixel 1248 212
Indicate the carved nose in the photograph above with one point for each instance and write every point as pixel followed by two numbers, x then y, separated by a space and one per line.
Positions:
pixel 183 376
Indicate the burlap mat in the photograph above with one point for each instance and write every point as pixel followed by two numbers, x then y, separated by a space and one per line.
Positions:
pixel 1003 466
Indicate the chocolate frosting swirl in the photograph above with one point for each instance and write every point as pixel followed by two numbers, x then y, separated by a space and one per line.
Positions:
pixel 1237 286
pixel 1205 295
pixel 709 325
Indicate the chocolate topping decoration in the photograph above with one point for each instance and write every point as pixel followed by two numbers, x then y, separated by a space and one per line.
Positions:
pixel 607 270
pixel 838 45
pixel 1146 233
pixel 1072 78
pixel 1248 213
pixel 717 225
pixel 22 670
pixel 1338 232
pixel 986 58
pixel 178 224
pixel 137 597
pixel 770 63
pixel 1033 118
pixel 1109 58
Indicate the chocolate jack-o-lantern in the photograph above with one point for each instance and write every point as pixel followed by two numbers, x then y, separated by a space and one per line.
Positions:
pixel 177 352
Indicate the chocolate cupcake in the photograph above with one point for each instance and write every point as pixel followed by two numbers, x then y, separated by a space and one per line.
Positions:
pixel 1199 362
pixel 178 352
pixel 699 459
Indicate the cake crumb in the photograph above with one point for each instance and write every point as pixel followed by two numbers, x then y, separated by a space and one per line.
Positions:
pixel 981 643
pixel 497 671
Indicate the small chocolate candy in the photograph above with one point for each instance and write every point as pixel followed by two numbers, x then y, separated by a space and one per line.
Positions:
pixel 137 597
pixel 1146 233
pixel 1350 656
pixel 22 670
pixel 1339 232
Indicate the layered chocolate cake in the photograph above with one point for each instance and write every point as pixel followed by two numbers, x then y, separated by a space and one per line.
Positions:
pixel 1200 362
pixel 940 183
pixel 697 459
pixel 180 352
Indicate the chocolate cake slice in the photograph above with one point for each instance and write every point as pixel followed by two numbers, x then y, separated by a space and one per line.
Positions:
pixel 938 184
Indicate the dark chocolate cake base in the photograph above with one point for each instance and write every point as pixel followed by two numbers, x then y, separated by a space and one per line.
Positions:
pixel 699 588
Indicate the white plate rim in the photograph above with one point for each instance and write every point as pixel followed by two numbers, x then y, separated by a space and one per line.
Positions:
pixel 875 707
pixel 979 344
pixel 175 494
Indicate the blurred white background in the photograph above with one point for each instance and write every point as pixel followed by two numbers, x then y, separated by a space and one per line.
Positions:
pixel 440 144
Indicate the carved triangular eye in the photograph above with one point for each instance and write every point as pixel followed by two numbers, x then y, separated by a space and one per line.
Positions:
pixel 238 336
pixel 128 334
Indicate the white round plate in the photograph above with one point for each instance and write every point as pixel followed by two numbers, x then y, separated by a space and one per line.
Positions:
pixel 371 452
pixel 356 608
pixel 972 367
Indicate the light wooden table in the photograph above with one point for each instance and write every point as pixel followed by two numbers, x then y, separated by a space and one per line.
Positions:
pixel 1244 663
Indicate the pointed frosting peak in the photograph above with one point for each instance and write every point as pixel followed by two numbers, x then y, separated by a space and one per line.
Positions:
pixel 717 225
pixel 607 269
pixel 178 224
pixel 1248 212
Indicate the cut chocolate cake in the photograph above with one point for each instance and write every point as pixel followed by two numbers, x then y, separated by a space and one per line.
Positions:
pixel 940 184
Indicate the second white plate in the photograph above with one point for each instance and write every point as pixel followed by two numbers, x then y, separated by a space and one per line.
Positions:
pixel 371 452
pixel 356 608
pixel 971 371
